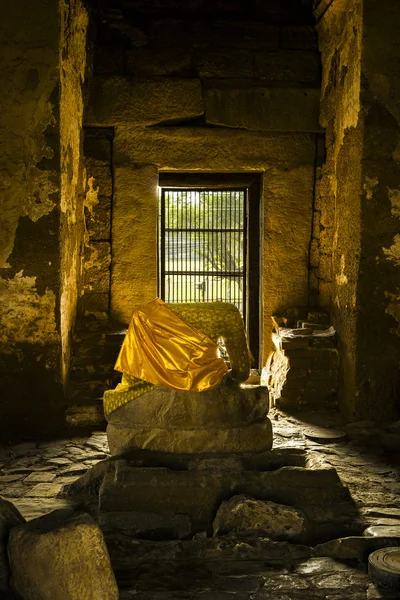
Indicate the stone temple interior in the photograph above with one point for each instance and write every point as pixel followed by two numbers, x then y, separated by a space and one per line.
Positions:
pixel 286 483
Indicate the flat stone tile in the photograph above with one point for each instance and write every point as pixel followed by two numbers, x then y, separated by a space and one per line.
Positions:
pixel 15 490
pixel 43 477
pixel 44 490
pixel 59 461
pixel 31 508
pixel 74 469
pixel 4 479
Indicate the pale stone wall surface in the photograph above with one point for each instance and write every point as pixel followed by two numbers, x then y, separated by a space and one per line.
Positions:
pixel 74 23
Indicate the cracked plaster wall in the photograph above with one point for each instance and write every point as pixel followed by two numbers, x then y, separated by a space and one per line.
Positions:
pixel 358 196
pixel 30 220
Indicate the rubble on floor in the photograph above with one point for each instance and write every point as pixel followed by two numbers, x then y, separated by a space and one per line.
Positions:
pixel 70 548
pixel 241 565
pixel 302 372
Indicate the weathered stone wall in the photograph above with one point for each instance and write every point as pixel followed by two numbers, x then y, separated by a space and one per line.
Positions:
pixel 74 23
pixel 338 188
pixel 29 218
pixel 31 188
pixel 208 89
pixel 358 196
pixel 95 298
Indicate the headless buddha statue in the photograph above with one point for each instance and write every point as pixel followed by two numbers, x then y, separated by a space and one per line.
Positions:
pixel 173 394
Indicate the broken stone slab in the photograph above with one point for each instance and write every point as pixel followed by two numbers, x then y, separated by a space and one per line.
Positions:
pixel 9 517
pixel 354 547
pixel 198 493
pixel 224 406
pixel 255 437
pixel 147 525
pixel 68 546
pixel 277 521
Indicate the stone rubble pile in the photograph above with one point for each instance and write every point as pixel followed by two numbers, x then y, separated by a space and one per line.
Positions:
pixel 154 557
pixel 303 370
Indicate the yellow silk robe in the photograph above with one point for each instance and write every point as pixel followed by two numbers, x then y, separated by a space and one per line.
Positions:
pixel 164 350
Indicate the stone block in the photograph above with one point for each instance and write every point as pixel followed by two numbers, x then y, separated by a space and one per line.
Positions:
pixel 296 373
pixel 224 406
pixel 256 437
pixel 213 149
pixel 263 109
pixel 152 61
pixel 299 37
pixel 146 525
pixel 326 358
pixel 224 62
pixel 294 344
pixel 288 66
pixel 71 549
pixel 302 362
pixel 118 100
pixel 252 35
pixel 277 521
pixel 198 493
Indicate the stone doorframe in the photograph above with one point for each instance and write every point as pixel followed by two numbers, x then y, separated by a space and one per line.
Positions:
pixel 287 163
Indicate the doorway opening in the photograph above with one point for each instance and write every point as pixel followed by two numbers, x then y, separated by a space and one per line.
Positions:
pixel 208 243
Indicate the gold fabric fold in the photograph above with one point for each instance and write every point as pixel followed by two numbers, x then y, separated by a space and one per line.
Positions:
pixel 164 350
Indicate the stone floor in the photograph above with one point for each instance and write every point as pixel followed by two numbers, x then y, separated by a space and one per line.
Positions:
pixel 367 459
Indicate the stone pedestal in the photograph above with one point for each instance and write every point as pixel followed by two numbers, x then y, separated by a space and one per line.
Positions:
pixel 224 419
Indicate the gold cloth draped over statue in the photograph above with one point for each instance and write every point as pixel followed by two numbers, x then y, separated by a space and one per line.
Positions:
pixel 175 346
pixel 163 350
pixel 176 394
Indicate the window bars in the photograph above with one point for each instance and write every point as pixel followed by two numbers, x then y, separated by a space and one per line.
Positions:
pixel 202 245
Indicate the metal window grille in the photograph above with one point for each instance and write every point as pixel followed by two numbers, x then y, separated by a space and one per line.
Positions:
pixel 202 245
